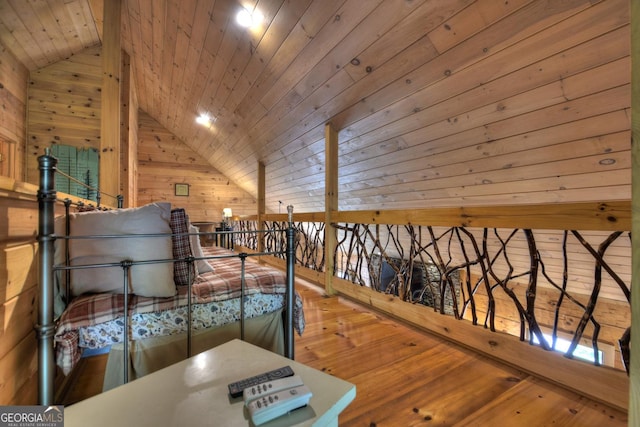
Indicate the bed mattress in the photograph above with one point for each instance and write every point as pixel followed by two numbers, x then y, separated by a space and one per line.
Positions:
pixel 97 320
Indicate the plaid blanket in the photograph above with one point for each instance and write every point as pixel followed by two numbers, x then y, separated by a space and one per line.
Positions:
pixel 223 283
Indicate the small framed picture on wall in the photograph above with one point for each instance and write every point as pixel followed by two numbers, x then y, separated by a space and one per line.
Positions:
pixel 182 189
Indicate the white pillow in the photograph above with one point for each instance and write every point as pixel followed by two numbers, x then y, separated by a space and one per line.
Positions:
pixel 201 265
pixel 149 280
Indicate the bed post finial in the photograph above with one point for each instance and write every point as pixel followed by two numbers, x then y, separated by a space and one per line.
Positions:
pixel 290 211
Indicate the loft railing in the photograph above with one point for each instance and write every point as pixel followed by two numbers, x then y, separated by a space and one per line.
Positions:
pixel 544 274
pixel 475 274
pixel 309 240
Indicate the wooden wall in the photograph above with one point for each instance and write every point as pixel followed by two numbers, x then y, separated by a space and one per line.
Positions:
pixel 18 225
pixel 164 160
pixel 18 293
pixel 13 98
pixel 64 106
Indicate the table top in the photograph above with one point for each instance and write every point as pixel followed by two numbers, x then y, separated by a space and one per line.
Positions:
pixel 194 392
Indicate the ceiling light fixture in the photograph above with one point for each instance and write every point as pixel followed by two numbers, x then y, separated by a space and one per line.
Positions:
pixel 204 120
pixel 248 19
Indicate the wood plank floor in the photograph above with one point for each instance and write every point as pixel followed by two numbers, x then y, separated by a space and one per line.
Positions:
pixel 405 377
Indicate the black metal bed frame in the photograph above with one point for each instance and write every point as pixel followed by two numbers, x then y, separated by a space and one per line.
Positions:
pixel 46 324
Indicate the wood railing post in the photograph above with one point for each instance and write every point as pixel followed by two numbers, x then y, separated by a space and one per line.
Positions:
pixel 109 182
pixel 330 203
pixel 261 205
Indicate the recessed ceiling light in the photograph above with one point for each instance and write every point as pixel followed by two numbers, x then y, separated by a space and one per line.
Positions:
pixel 243 18
pixel 249 19
pixel 204 119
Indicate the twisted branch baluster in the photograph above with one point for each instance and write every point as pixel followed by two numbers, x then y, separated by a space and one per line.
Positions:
pixel 588 313
pixel 534 328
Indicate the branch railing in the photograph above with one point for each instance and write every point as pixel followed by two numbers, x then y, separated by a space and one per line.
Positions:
pixel 462 272
pixel 309 248
pixel 541 285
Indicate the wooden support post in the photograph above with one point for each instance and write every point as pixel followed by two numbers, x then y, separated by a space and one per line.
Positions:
pixel 634 371
pixel 128 147
pixel 110 125
pixel 261 203
pixel 330 203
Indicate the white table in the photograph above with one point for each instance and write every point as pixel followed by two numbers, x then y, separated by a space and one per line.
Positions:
pixel 194 392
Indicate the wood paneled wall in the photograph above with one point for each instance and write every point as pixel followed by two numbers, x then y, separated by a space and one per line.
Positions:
pixel 18 254
pixel 164 160
pixel 64 106
pixel 18 294
pixel 13 98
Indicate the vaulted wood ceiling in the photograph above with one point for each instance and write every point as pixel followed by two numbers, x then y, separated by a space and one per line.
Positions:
pixel 437 102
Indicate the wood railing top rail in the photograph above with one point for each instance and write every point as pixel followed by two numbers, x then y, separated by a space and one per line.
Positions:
pixel 605 216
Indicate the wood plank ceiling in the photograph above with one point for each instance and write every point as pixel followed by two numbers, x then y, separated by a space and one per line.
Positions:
pixel 437 102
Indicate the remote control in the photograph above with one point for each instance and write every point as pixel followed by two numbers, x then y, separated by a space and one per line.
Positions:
pixel 236 388
pixel 259 390
pixel 276 404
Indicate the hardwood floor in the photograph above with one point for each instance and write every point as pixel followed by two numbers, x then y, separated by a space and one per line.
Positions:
pixel 405 377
